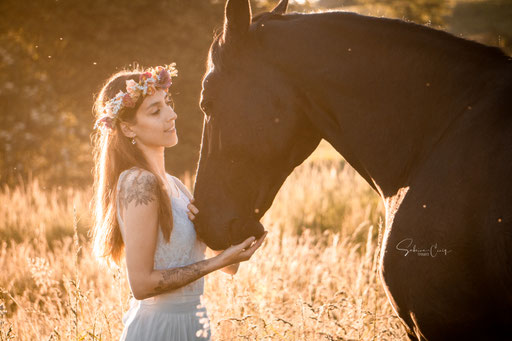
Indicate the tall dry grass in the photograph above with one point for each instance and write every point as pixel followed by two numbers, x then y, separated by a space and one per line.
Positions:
pixel 315 278
pixel 30 210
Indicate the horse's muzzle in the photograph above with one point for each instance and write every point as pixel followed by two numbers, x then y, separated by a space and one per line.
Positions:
pixel 240 232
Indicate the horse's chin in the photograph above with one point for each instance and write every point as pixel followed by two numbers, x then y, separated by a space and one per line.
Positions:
pixel 251 227
pixel 235 233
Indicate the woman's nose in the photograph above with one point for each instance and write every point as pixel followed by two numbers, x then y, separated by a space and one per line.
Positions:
pixel 172 114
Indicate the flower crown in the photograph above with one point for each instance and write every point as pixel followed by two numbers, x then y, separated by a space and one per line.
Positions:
pixel 150 81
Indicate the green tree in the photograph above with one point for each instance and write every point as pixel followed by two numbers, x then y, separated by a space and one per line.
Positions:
pixel 54 56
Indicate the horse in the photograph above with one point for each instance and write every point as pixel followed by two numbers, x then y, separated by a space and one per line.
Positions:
pixel 423 116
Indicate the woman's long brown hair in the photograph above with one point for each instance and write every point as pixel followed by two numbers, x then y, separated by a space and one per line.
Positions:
pixel 114 153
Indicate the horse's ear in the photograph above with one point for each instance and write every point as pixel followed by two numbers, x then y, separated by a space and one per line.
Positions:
pixel 237 19
pixel 281 7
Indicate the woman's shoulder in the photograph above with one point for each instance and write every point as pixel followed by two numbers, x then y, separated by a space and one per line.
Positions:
pixel 135 171
pixel 136 177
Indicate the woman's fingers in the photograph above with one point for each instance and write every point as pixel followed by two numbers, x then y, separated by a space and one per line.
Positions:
pixel 250 251
pixel 192 208
pixel 246 243
pixel 243 251
pixel 259 241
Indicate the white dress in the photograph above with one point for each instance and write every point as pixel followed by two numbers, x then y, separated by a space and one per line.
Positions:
pixel 178 315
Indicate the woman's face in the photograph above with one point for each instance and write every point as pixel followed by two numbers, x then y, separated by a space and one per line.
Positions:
pixel 155 121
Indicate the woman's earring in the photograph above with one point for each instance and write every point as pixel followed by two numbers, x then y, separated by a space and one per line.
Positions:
pixel 133 141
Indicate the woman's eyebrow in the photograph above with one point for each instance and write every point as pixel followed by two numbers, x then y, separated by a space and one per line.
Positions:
pixel 154 104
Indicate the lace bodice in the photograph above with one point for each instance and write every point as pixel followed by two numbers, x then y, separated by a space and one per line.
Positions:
pixel 183 248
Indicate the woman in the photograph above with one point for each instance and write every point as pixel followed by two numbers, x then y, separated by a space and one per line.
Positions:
pixel 146 215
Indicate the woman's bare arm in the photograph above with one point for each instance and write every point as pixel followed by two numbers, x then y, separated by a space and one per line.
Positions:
pixel 139 209
pixel 230 269
pixel 171 279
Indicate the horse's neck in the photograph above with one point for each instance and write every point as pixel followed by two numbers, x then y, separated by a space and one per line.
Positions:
pixel 383 94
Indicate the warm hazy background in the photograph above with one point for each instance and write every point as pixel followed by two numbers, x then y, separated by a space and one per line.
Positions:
pixel 55 55
pixel 315 277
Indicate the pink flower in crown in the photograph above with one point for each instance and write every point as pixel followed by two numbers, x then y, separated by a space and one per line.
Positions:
pixel 132 89
pixel 128 101
pixel 145 76
pixel 105 122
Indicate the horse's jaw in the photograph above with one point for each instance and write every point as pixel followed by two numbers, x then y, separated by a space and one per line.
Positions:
pixel 235 233
pixel 249 228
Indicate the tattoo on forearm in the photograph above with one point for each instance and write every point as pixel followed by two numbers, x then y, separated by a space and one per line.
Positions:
pixel 177 277
pixel 139 188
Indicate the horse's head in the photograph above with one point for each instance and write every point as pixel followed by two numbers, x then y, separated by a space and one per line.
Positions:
pixel 254 131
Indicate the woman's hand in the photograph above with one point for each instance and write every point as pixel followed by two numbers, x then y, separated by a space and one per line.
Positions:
pixel 241 252
pixel 192 210
pixel 235 253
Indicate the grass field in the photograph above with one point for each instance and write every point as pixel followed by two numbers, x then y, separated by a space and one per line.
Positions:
pixel 315 278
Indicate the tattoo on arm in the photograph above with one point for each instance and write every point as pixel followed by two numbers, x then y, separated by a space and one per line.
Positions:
pixel 177 277
pixel 140 188
pixel 137 187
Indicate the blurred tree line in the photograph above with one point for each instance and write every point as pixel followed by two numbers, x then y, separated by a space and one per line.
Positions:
pixel 55 54
pixel 486 21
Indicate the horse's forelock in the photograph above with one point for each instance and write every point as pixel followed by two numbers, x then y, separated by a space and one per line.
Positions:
pixel 216 52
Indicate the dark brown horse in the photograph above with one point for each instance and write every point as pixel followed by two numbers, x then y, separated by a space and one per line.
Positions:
pixel 423 116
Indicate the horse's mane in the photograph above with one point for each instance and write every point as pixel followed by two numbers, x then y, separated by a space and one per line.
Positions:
pixel 410 26
pixel 324 18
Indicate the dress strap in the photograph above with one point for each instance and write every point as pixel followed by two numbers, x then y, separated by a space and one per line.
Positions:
pixel 182 187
